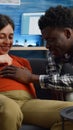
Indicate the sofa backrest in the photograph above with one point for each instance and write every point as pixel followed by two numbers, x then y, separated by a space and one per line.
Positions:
pixel 39 67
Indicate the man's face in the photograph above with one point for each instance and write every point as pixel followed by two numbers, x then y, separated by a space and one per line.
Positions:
pixel 57 40
pixel 6 39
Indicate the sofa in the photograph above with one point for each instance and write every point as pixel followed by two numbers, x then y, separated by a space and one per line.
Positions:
pixel 38 67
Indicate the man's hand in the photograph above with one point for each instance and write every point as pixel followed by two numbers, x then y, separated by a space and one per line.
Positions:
pixel 5 59
pixel 22 75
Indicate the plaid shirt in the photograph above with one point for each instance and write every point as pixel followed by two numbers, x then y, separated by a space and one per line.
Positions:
pixel 53 79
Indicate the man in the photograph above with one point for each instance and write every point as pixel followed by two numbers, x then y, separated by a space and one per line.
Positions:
pixel 56 26
pixel 19 102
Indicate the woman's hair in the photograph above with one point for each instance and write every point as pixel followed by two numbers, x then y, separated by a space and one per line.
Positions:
pixel 5 20
pixel 57 17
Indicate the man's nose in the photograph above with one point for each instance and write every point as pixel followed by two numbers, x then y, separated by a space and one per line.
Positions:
pixel 47 46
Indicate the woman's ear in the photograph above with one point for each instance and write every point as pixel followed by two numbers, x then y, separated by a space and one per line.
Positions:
pixel 67 32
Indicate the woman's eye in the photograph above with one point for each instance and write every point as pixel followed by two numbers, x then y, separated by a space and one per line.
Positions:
pixel 11 38
pixel 2 37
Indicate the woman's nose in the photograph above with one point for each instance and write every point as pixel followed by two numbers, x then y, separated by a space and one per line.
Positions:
pixel 7 40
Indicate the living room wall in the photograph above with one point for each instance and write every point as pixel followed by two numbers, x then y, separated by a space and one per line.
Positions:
pixel 26 6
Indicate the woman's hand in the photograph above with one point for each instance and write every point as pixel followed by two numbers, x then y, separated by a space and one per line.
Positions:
pixel 5 59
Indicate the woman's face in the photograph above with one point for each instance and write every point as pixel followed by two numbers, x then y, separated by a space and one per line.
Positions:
pixel 58 41
pixel 6 39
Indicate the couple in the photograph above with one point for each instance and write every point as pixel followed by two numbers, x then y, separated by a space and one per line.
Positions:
pixel 18 101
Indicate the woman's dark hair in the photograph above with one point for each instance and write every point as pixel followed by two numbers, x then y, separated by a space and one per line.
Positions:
pixel 5 20
pixel 57 17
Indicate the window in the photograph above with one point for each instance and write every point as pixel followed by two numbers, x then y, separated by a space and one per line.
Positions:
pixel 29 23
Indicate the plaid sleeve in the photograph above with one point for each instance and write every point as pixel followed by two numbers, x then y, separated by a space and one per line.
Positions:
pixel 53 80
pixel 51 66
pixel 56 81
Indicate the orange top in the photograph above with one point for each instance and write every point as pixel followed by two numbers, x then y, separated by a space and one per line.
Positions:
pixel 7 84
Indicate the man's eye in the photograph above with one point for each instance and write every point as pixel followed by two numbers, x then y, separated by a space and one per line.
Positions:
pixel 50 40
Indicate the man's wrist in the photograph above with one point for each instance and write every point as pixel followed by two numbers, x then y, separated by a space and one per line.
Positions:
pixel 35 78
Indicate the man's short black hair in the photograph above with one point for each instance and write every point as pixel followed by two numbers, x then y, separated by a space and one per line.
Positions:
pixel 57 17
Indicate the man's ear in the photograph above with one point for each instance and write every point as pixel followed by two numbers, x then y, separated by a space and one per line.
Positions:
pixel 67 32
